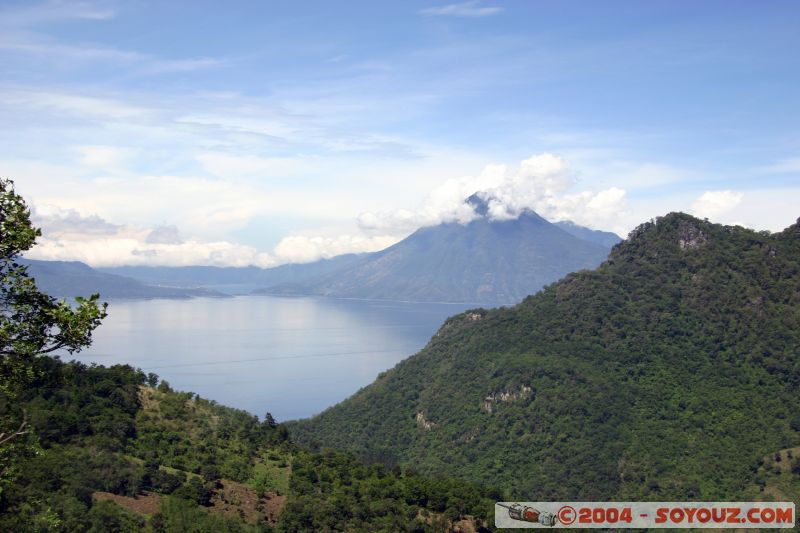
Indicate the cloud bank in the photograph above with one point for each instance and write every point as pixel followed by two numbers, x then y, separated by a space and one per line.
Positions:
pixel 69 236
pixel 543 183
pixel 712 204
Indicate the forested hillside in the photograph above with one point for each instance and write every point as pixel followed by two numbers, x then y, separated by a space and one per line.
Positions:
pixel 671 372
pixel 89 448
pixel 113 453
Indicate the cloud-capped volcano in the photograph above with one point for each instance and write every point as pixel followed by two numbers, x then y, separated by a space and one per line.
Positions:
pixel 544 183
pixel 484 260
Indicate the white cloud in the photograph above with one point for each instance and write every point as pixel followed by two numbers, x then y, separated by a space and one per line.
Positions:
pixel 587 208
pixel 70 236
pixel 74 105
pixel 540 183
pixel 204 206
pixel 712 204
pixel 103 156
pixel 164 235
pixel 463 9
pixel 162 246
pixel 132 249
pixel 225 165
pixel 304 249
pixel 60 222
pixel 773 209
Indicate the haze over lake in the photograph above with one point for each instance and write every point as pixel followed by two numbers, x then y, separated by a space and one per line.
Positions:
pixel 292 357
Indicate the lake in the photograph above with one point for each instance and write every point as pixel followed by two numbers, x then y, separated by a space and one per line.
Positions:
pixel 292 357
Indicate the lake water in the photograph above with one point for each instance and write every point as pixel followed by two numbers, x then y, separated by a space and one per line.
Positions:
pixel 292 357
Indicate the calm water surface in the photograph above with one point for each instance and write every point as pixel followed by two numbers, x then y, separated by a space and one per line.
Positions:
pixel 292 357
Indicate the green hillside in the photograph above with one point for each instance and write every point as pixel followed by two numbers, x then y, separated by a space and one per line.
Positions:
pixel 115 454
pixel 112 450
pixel 669 373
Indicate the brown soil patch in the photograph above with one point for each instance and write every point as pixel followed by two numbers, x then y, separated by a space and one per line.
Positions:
pixel 236 499
pixel 274 505
pixel 147 398
pixel 787 456
pixel 465 526
pixel 468 524
pixel 776 493
pixel 145 505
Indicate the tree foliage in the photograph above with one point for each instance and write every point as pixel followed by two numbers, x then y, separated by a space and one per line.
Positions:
pixel 103 430
pixel 31 324
pixel 667 373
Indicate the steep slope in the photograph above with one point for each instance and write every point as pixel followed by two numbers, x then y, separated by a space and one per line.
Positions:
pixel 603 238
pixel 482 261
pixel 668 373
pixel 67 279
pixel 118 455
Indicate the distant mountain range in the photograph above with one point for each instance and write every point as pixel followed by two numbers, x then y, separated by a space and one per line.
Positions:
pixel 68 279
pixel 635 381
pixel 233 277
pixel 603 238
pixel 484 261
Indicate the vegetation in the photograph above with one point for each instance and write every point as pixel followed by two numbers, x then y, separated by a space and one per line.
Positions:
pixel 31 323
pixel 668 374
pixel 336 492
pixel 170 461
pixel 113 450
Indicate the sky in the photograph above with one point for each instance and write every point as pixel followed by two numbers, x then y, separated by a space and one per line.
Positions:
pixel 237 133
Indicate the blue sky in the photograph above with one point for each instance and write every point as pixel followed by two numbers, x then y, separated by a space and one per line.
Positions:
pixel 266 132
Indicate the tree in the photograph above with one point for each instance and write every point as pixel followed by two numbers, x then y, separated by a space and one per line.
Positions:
pixel 31 324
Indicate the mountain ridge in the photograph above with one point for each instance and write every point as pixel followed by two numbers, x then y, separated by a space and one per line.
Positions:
pixel 476 262
pixel 193 276
pixel 630 381
pixel 67 279
pixel 484 261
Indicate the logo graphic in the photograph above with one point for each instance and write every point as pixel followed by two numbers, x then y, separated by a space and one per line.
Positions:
pixel 645 515
pixel 567 514
pixel 517 511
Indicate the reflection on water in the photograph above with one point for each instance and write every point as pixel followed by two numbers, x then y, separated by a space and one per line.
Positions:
pixel 292 357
